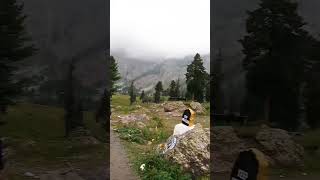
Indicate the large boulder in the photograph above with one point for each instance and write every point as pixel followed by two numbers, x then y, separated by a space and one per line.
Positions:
pixel 191 151
pixel 226 147
pixel 197 107
pixel 133 118
pixel 174 106
pixel 278 144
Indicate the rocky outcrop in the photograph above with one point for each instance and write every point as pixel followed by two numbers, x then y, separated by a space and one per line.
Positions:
pixel 278 145
pixel 133 118
pixel 197 107
pixel 174 106
pixel 191 151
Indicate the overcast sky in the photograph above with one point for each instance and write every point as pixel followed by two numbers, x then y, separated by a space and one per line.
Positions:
pixel 160 28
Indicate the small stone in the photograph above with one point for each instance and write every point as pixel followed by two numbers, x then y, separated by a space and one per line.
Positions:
pixel 29 174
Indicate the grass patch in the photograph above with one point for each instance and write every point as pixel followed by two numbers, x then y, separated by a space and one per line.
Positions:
pixel 153 132
pixel 158 168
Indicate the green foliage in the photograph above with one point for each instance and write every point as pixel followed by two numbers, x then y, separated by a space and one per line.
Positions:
pixel 15 46
pixel 158 168
pixel 196 78
pixel 131 134
pixel 177 89
pixel 157 94
pixel 153 132
pixel 172 89
pixel 115 75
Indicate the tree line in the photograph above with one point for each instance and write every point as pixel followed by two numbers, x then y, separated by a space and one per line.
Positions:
pixel 197 80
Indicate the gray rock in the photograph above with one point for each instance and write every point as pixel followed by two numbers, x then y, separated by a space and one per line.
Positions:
pixel 28 174
pixel 174 106
pixel 197 107
pixel 191 151
pixel 278 144
pixel 134 118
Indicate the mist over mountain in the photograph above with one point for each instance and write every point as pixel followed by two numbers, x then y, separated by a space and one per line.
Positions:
pixel 146 73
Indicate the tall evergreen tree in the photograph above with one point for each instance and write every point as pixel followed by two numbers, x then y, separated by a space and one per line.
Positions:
pixel 104 110
pixel 157 94
pixel 14 46
pixel 177 90
pixel 142 96
pixel 115 75
pixel 172 89
pixel 132 93
pixel 196 79
pixel 274 59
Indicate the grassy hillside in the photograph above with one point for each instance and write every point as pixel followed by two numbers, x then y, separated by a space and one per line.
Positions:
pixel 35 135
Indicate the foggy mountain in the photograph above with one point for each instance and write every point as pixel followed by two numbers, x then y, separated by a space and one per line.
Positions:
pixel 147 73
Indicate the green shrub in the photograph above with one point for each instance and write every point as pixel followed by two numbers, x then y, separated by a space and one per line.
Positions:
pixel 131 134
pixel 156 122
pixel 158 168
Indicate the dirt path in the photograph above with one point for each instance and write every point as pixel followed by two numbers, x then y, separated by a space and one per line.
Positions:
pixel 119 163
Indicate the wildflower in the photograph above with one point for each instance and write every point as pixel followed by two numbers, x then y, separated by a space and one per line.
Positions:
pixel 142 167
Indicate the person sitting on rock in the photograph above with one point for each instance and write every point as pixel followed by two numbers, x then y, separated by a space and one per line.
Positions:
pixel 187 123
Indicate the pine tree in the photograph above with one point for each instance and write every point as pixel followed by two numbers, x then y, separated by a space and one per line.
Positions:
pixel 132 93
pixel 157 94
pixel 274 59
pixel 104 111
pixel 142 96
pixel 196 79
pixel 115 75
pixel 14 46
pixel 172 89
pixel 177 90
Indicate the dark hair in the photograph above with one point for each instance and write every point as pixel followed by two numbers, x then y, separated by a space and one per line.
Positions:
pixel 186 117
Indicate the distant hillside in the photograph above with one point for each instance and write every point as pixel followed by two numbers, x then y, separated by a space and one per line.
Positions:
pixel 147 73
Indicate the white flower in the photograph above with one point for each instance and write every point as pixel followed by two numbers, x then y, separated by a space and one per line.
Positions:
pixel 142 167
